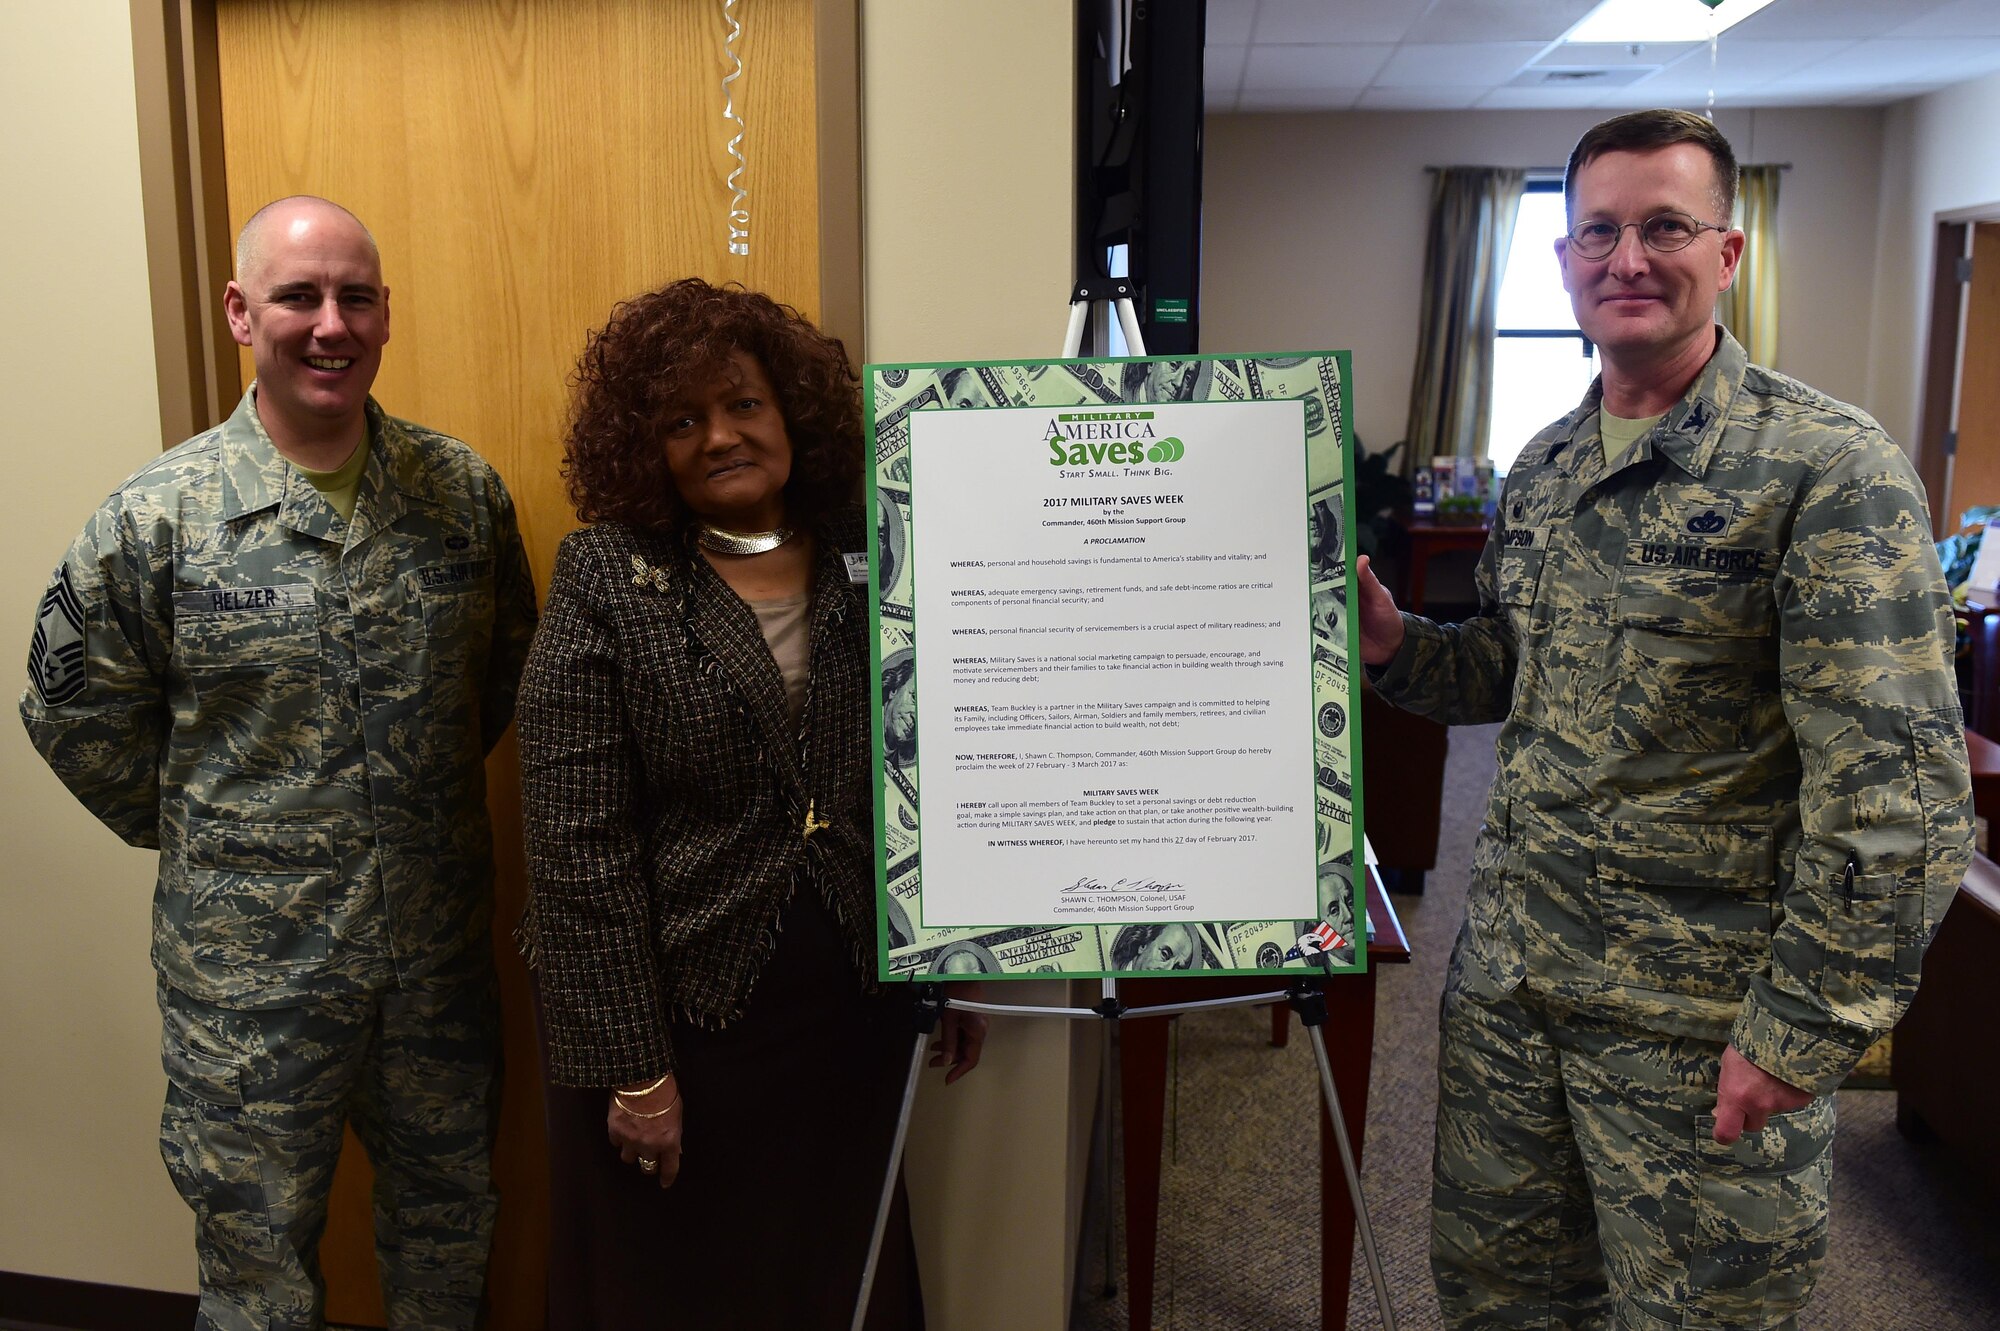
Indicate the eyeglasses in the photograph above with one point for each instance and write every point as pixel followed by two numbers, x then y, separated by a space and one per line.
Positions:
pixel 1664 232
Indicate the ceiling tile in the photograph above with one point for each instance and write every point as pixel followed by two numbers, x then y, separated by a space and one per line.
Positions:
pixel 1894 92
pixel 1298 99
pixel 1229 22
pixel 1498 20
pixel 1959 18
pixel 1417 65
pixel 1613 55
pixel 1268 55
pixel 1419 99
pixel 1327 21
pixel 1788 19
pixel 1350 66
pixel 1517 99
pixel 1222 68
pixel 1778 95
pixel 1744 63
pixel 1902 60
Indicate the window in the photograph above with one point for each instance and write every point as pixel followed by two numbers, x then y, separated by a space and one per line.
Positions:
pixel 1542 363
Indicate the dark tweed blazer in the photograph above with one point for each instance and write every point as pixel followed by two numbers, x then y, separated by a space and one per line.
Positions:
pixel 666 792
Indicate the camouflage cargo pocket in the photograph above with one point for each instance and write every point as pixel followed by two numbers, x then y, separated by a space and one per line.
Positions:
pixel 210 1156
pixel 458 608
pixel 1517 582
pixel 1944 794
pixel 1760 1223
pixel 1686 908
pixel 1868 935
pixel 255 676
pixel 258 893
pixel 1695 653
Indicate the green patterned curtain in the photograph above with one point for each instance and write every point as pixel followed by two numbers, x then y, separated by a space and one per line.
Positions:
pixel 1472 224
pixel 1750 307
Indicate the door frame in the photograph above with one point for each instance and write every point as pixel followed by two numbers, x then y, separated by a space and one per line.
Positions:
pixel 1944 354
pixel 177 77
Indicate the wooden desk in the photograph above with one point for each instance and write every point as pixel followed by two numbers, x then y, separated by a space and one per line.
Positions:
pixel 1947 1050
pixel 1981 616
pixel 1428 541
pixel 1142 1082
pixel 1983 757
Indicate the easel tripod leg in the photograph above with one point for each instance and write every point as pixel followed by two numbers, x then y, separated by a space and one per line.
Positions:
pixel 928 1009
pixel 1313 1020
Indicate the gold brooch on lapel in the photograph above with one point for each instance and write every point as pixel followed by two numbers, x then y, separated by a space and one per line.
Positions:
pixel 645 575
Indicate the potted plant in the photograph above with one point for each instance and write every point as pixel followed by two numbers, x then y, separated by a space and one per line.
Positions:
pixel 1460 511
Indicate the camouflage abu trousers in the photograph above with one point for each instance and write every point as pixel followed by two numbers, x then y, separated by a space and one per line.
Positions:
pixel 256 1104
pixel 1575 1182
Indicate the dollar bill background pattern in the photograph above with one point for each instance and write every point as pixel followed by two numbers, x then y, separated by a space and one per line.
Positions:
pixel 907 949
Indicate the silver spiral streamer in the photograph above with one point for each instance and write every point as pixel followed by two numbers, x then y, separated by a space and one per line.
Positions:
pixel 739 216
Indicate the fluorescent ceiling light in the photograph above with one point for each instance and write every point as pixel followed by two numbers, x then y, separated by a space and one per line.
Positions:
pixel 1656 21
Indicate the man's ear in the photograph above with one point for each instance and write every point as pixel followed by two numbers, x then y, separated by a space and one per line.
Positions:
pixel 236 306
pixel 1732 255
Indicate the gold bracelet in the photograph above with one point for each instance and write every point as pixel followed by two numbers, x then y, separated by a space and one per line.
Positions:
pixel 656 1084
pixel 619 1100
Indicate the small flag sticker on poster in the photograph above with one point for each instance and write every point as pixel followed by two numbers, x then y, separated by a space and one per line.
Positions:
pixel 1323 938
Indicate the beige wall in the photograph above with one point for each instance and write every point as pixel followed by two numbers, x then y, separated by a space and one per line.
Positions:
pixel 1940 154
pixel 967 152
pixel 1313 233
pixel 966 148
pixel 79 1039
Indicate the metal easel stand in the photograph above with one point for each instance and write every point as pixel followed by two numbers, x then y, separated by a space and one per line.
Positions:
pixel 1109 296
pixel 1307 996
pixel 1105 294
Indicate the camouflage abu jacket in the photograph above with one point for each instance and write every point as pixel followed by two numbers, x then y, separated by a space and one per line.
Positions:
pixel 293 708
pixel 1732 799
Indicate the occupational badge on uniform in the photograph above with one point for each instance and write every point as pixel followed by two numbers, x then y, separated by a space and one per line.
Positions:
pixel 1697 418
pixel 645 575
pixel 1709 517
pixel 56 654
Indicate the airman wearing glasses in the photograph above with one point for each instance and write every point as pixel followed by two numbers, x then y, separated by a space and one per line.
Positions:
pixel 1732 800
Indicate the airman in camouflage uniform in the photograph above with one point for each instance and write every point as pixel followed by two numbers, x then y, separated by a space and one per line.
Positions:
pixel 1732 802
pixel 295 708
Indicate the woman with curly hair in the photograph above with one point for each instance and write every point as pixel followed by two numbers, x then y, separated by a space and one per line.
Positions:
pixel 724 1071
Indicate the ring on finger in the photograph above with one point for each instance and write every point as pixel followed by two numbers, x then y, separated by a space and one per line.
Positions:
pixel 649 1164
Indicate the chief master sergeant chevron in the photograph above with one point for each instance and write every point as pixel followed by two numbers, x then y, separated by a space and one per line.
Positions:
pixel 280 654
pixel 1732 798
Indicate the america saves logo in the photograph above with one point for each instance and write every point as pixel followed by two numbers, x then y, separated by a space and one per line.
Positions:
pixel 1109 438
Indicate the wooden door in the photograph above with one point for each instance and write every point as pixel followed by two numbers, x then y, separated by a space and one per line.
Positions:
pixel 1975 469
pixel 524 164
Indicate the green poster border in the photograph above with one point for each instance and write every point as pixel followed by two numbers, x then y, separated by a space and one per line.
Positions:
pixel 1312 695
pixel 1343 441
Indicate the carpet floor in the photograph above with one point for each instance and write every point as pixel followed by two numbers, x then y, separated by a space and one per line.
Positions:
pixel 1915 1243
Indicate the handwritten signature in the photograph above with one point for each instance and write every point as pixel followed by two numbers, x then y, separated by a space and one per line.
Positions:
pixel 1090 884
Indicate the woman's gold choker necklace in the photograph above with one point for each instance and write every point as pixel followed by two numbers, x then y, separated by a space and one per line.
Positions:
pixel 726 542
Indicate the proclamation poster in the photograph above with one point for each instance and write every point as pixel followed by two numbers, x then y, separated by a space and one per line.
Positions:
pixel 1115 720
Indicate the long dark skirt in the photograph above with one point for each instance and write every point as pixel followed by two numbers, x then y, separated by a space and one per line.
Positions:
pixel 790 1114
